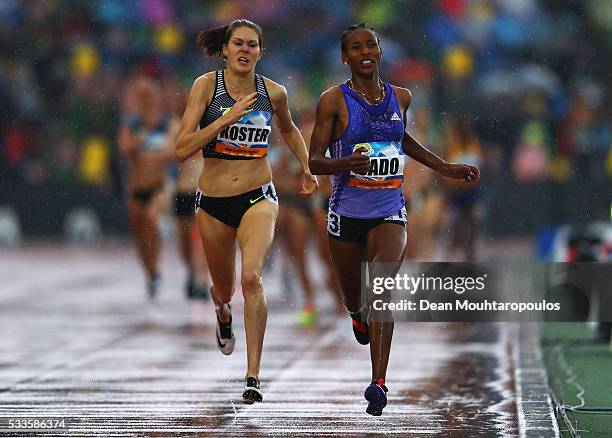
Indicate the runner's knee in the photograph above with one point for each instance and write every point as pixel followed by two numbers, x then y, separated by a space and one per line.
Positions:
pixel 251 281
pixel 223 290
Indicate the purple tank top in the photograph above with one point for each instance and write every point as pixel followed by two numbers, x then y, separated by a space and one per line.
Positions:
pixel 379 130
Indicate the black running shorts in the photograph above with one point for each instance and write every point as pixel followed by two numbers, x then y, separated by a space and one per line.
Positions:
pixel 349 229
pixel 230 209
pixel 144 196
pixel 184 204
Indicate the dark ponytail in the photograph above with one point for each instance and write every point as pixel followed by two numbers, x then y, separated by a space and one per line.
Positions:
pixel 211 41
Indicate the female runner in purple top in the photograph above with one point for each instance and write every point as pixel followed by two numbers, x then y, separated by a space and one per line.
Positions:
pixel 362 124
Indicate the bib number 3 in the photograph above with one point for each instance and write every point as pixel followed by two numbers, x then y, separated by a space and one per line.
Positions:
pixel 333 223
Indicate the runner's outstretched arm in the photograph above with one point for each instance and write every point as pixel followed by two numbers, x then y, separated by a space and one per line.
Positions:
pixel 415 150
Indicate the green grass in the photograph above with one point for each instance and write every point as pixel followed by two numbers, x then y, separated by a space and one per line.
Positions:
pixel 576 363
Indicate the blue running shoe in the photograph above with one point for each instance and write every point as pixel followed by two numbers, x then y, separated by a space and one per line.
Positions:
pixel 376 395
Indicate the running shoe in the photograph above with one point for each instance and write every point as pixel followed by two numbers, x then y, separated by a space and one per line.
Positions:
pixel 153 285
pixel 376 395
pixel 252 393
pixel 308 316
pixel 225 335
pixel 190 288
pixel 201 292
pixel 360 329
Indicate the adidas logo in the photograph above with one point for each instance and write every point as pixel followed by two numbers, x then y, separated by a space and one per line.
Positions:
pixel 395 117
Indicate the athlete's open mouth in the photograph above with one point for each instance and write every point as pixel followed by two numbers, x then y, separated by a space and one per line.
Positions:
pixel 243 60
pixel 366 62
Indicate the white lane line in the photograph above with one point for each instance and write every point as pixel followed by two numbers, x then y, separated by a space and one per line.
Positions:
pixel 535 416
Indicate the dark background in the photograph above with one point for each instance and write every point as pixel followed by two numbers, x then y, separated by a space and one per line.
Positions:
pixel 532 75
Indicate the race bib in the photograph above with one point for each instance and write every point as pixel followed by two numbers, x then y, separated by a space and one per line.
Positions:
pixel 386 166
pixel 248 137
pixel 154 142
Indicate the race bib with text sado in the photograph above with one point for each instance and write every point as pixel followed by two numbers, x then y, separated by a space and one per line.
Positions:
pixel 386 166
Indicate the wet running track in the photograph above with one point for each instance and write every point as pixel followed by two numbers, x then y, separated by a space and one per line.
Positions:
pixel 80 344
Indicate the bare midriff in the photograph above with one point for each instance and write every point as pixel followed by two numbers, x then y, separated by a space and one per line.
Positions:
pixel 221 178
pixel 146 170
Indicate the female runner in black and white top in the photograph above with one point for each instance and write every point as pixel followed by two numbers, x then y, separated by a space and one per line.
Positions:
pixel 228 117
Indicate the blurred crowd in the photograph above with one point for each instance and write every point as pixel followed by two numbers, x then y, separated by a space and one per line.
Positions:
pixel 531 76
